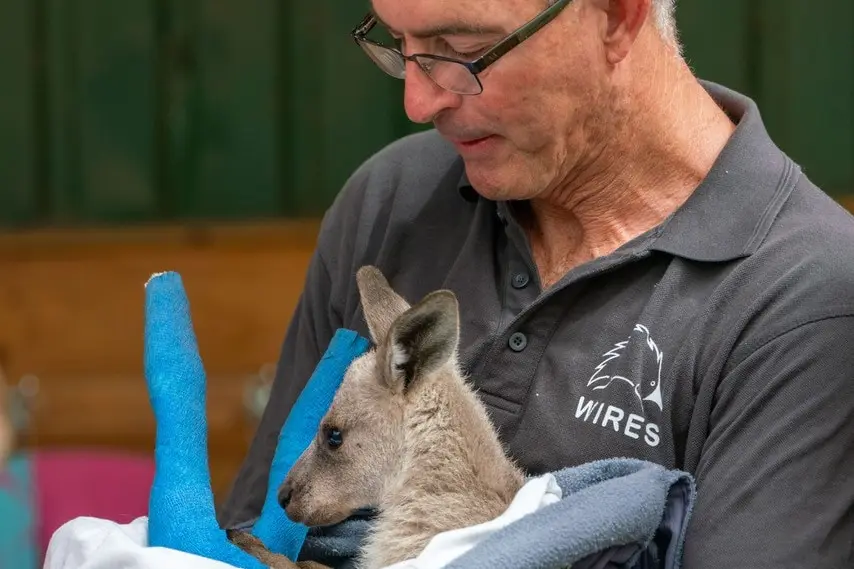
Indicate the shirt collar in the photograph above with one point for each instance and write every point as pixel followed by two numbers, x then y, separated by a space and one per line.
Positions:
pixel 467 191
pixel 730 212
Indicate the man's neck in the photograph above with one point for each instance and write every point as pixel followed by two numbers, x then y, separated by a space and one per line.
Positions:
pixel 643 172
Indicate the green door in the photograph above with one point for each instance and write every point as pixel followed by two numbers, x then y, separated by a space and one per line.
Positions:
pixel 162 109
pixel 795 58
pixel 18 195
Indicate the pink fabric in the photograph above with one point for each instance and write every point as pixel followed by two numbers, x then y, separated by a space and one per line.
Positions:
pixel 72 483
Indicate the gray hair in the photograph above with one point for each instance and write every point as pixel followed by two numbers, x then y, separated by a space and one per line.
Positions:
pixel 664 13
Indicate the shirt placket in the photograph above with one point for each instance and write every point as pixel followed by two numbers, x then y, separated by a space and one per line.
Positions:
pixel 529 320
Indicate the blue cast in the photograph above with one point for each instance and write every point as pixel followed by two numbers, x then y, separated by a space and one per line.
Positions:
pixel 181 505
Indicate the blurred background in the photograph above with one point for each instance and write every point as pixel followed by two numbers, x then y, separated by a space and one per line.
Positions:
pixel 208 137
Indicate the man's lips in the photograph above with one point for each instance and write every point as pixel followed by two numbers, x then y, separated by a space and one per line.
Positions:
pixel 462 136
pixel 470 143
pixel 473 141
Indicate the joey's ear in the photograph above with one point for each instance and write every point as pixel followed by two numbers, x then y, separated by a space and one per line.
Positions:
pixel 380 304
pixel 421 340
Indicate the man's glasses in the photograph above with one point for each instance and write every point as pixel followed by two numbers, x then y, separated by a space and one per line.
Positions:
pixel 457 76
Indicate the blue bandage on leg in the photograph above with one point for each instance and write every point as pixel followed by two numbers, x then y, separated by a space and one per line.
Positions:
pixel 181 505
pixel 274 528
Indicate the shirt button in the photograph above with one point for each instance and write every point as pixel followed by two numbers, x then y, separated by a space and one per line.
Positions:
pixel 518 341
pixel 520 280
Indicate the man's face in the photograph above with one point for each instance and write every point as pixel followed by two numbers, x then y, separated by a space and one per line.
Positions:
pixel 536 117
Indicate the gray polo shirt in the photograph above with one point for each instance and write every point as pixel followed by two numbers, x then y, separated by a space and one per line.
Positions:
pixel 720 342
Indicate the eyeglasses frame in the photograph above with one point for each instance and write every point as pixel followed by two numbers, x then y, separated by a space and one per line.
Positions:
pixel 480 64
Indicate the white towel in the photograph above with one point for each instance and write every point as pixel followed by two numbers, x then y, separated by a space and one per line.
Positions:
pixel 92 543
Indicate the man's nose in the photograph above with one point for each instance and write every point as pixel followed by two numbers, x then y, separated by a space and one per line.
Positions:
pixel 285 491
pixel 422 98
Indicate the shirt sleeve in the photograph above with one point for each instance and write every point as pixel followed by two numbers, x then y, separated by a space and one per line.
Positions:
pixel 322 309
pixel 775 480
pixel 310 330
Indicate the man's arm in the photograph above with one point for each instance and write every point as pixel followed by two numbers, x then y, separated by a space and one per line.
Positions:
pixel 350 235
pixel 309 332
pixel 776 476
pixel 323 304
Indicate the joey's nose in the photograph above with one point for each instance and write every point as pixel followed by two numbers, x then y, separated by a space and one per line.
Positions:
pixel 285 492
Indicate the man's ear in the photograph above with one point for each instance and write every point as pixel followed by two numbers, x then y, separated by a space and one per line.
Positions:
pixel 625 19
pixel 421 340
pixel 380 303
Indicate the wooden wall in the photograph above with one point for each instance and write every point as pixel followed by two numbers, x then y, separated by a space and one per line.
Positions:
pixel 72 306
pixel 141 110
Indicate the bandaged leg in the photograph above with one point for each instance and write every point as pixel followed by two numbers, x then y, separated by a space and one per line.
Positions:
pixel 181 504
pixel 274 528
pixel 181 508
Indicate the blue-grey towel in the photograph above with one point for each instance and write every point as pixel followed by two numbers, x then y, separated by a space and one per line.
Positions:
pixel 617 513
pixel 338 546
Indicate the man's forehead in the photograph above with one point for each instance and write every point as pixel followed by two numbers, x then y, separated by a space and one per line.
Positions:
pixel 432 18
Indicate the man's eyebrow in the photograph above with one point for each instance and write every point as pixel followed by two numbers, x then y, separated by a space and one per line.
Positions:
pixel 449 29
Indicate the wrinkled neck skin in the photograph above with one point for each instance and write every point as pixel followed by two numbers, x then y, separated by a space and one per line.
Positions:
pixel 453 473
pixel 662 136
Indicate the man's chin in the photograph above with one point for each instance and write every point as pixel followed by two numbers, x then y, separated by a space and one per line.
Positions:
pixel 492 183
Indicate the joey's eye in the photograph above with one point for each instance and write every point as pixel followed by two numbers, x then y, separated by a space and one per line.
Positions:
pixel 334 438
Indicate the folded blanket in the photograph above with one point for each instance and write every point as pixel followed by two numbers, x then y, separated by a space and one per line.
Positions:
pixel 615 513
pixel 338 546
pixel 96 543
pixel 92 543
pixel 624 511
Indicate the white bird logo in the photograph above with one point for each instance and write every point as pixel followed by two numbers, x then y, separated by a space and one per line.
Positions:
pixel 601 379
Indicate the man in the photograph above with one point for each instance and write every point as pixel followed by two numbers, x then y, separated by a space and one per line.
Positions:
pixel 641 271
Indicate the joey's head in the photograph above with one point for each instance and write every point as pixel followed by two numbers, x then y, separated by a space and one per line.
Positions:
pixel 358 445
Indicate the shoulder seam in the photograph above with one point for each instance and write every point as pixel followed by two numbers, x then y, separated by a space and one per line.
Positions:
pixel 785 186
pixel 832 313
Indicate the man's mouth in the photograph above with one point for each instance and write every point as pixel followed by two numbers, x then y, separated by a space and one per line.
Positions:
pixel 473 141
pixel 472 146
